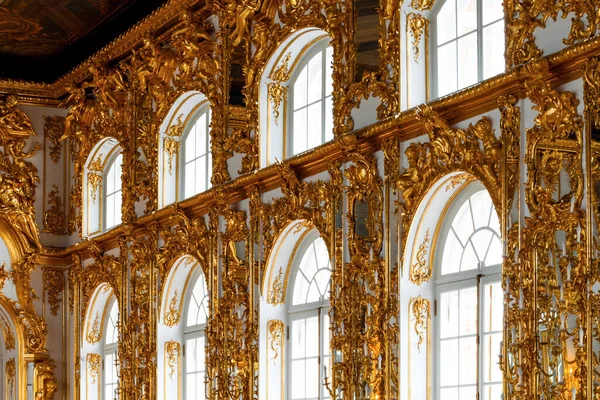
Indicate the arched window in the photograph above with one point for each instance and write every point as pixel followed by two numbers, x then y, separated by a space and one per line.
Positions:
pixel 112 193
pixel 311 102
pixel 309 321
pixel 111 338
pixel 197 159
pixel 195 341
pixel 468 38
pixel 470 300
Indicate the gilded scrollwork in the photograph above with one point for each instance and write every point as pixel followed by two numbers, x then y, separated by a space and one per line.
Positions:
pixel 276 295
pixel 276 89
pixel 418 26
pixel 94 362
pixel 54 282
pixel 7 333
pixel 94 334
pixel 10 370
pixel 420 316
pixel 54 217
pixel 172 316
pixel 275 337
pixel 420 270
pixel 172 354
pixel 54 128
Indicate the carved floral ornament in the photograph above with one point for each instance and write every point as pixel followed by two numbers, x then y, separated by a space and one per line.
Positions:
pixel 417 25
pixel 275 337
pixel 172 315
pixel 276 291
pixel 94 361
pixel 172 354
pixel 420 311
pixel 277 89
pixel 94 334
pixel 420 271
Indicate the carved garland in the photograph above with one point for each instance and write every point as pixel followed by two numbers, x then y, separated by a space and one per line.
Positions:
pixel 172 354
pixel 94 362
pixel 275 337
pixel 420 271
pixel 421 315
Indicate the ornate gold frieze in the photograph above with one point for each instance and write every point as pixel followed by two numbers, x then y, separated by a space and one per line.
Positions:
pixel 172 354
pixel 94 361
pixel 276 295
pixel 54 129
pixel 54 217
pixel 44 385
pixel 275 337
pixel 420 271
pixel 94 334
pixel 420 315
pixel 417 25
pixel 54 282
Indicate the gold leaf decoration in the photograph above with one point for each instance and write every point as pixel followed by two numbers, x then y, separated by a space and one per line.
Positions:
pixel 10 370
pixel 420 271
pixel 277 90
pixel 54 282
pixel 7 333
pixel 54 128
pixel 94 361
pixel 421 315
pixel 276 295
pixel 94 333
pixel 54 217
pixel 172 352
pixel 172 316
pixel 275 336
pixel 418 26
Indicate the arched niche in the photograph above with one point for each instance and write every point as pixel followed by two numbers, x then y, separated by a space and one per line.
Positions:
pixel 289 245
pixel 96 166
pixel 93 339
pixel 174 304
pixel 172 133
pixel 274 90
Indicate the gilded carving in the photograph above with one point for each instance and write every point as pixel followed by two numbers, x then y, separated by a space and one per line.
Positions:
pixel 172 316
pixel 418 26
pixel 420 271
pixel 421 315
pixel 94 361
pixel 275 337
pixel 94 334
pixel 422 5
pixel 54 128
pixel 276 89
pixel 10 370
pixel 172 354
pixel 276 294
pixel 54 281
pixel 94 181
pixel 44 386
pixel 54 217
pixel 7 333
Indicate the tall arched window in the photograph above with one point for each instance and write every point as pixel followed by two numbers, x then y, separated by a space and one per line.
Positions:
pixel 311 100
pixel 111 338
pixel 197 159
pixel 195 341
pixel 469 300
pixel 469 43
pixel 309 322
pixel 112 193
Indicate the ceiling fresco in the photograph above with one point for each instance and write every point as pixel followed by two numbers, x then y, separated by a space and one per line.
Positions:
pixel 41 40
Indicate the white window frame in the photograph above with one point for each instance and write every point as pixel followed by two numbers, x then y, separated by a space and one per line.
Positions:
pixel 319 309
pixel 477 277
pixel 109 348
pixel 192 331
pixel 305 58
pixel 203 110
pixel 435 46
pixel 105 195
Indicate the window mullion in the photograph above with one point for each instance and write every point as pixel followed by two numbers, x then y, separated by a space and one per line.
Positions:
pixel 480 310
pixel 479 41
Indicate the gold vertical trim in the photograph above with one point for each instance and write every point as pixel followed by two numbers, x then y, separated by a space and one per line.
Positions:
pixel 172 366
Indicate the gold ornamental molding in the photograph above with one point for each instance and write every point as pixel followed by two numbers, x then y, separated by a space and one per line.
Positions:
pixel 172 315
pixel 420 271
pixel 94 361
pixel 172 354
pixel 276 295
pixel 420 316
pixel 275 336
pixel 94 333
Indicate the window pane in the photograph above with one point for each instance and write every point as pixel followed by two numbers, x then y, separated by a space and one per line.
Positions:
pixel 299 381
pixel 468 311
pixel 468 361
pixel 315 78
pixel 328 119
pixel 300 88
pixel 469 260
pixel 298 338
pixel 200 131
pixel 492 11
pixel 468 393
pixel 312 337
pixel 448 362
pixel 492 392
pixel 315 128
pixel 449 314
pixel 446 69
pixel 491 353
pixel 200 174
pixel 329 71
pixel 493 307
pixel 493 49
pixel 299 144
pixel 481 242
pixel 313 274
pixel 449 394
pixel 190 146
pixel 452 252
pixel 446 22
pixel 467 16
pixel 312 378
pixel 467 60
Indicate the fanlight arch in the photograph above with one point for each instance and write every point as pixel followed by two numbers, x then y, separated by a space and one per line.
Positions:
pixel 276 82
pixel 101 184
pixel 423 234
pixel 183 116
